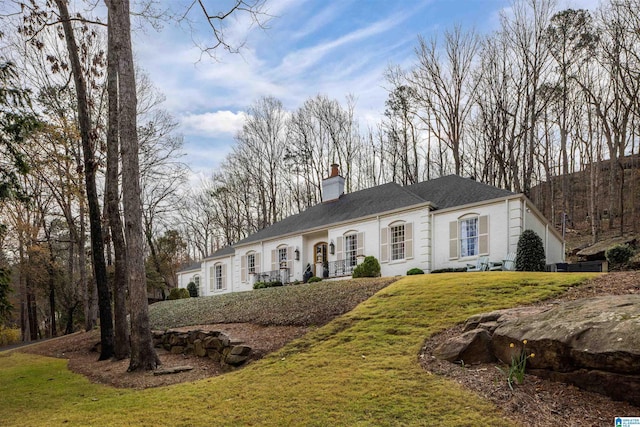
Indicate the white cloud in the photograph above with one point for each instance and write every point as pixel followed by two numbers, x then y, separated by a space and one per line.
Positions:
pixel 213 123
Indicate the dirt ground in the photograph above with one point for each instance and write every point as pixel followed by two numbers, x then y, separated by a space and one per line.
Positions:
pixel 536 402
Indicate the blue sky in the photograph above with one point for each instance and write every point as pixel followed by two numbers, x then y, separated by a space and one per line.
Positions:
pixel 330 47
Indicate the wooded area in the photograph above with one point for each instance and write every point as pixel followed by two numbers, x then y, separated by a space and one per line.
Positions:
pixel 547 105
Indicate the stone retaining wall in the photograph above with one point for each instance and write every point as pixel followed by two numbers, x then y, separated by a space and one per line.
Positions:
pixel 215 345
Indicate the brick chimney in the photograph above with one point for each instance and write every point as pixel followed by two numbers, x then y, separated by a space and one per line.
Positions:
pixel 333 186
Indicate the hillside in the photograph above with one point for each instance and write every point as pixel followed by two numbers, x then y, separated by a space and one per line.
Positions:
pixel 359 369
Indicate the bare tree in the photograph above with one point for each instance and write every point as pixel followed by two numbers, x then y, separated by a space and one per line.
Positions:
pixel 444 87
pixel 143 355
pixel 90 167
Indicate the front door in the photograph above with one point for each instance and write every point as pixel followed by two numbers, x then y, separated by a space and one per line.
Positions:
pixel 320 258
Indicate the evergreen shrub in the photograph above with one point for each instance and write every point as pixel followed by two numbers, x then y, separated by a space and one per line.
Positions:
pixel 530 254
pixel 193 289
pixel 178 293
pixel 618 255
pixel 370 267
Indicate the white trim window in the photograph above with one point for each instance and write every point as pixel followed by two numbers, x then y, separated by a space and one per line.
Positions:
pixel 351 250
pixel 217 278
pixel 397 242
pixel 282 256
pixel 469 237
pixel 251 263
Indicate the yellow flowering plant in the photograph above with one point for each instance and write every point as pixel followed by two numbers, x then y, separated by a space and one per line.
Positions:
pixel 518 364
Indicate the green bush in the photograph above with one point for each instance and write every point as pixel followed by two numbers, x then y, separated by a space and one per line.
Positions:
pixel 193 289
pixel 178 293
pixel 9 336
pixel 530 254
pixel 370 267
pixel 415 271
pixel 619 255
pixel 263 285
pixel 314 279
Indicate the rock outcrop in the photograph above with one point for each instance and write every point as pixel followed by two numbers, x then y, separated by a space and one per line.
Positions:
pixel 215 345
pixel 592 343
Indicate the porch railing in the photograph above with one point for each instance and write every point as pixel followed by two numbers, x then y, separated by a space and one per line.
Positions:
pixel 281 275
pixel 340 268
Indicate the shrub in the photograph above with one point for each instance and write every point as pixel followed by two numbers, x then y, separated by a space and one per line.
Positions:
pixel 193 289
pixel 530 254
pixel 370 267
pixel 263 285
pixel 415 271
pixel 314 279
pixel 9 336
pixel 619 255
pixel 178 293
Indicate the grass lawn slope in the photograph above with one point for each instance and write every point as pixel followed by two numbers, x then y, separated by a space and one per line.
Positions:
pixel 361 369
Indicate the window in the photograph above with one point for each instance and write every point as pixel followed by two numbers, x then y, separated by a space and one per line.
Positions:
pixel 469 237
pixel 282 257
pixel 219 278
pixel 251 263
pixel 397 242
pixel 351 249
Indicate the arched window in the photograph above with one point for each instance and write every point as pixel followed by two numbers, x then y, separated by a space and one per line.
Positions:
pixel 396 241
pixel 217 277
pixel 469 236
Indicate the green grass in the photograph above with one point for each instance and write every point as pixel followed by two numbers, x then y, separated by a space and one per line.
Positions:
pixel 359 370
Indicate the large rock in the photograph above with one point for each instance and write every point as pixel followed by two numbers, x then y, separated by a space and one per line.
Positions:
pixel 592 343
pixel 471 347
pixel 596 333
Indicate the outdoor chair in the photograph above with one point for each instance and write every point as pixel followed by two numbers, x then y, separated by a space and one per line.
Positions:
pixel 480 265
pixel 495 266
pixel 509 262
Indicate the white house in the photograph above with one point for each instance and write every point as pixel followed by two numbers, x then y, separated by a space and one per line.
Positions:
pixel 441 223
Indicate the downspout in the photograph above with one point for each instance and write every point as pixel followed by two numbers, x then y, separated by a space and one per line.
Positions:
pixel 508 224
pixel 546 241
pixel 379 242
pixel 430 250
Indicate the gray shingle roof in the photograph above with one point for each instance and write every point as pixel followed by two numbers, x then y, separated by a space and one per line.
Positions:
pixel 444 192
pixel 192 266
pixel 453 190
pixel 372 201
pixel 227 250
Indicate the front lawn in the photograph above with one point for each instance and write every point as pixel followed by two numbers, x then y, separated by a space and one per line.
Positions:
pixel 359 369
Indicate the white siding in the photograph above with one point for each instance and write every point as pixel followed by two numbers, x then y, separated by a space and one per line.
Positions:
pixel 499 229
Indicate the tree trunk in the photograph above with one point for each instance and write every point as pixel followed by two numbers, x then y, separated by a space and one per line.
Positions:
pixel 143 355
pixel 90 167
pixel 122 345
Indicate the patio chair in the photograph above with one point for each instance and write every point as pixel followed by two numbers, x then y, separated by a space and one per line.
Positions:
pixel 480 265
pixel 495 266
pixel 509 262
